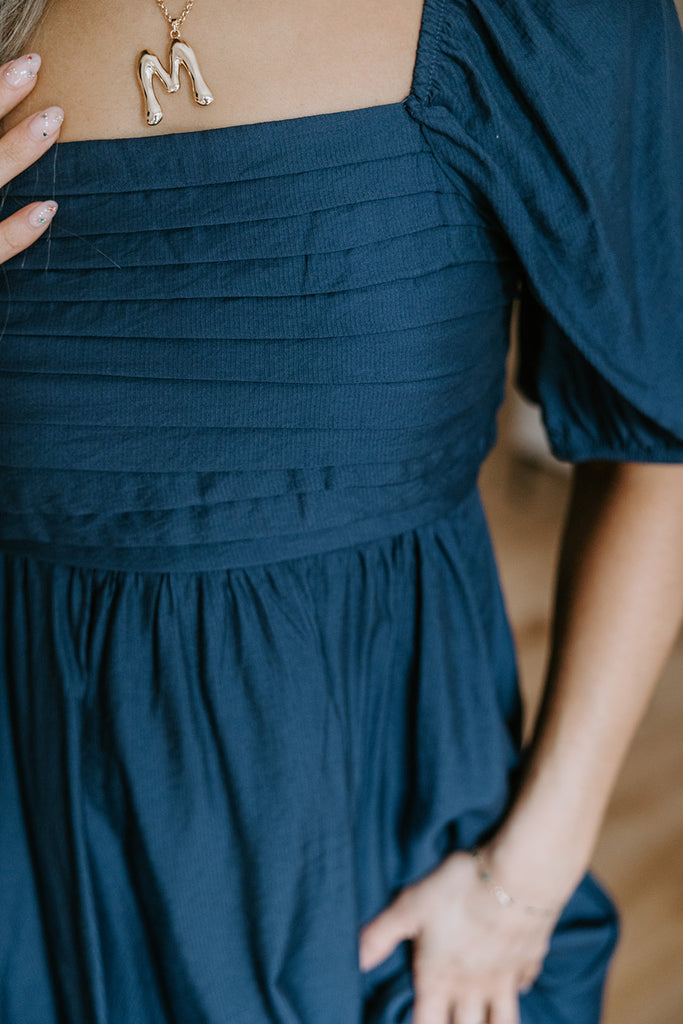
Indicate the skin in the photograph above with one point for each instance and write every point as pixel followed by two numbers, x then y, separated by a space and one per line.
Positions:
pixel 277 59
pixel 619 597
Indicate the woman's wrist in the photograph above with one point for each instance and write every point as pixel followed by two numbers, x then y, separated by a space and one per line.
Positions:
pixel 535 866
pixel 501 894
pixel 533 878
pixel 542 849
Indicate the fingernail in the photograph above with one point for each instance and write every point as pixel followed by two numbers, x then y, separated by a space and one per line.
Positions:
pixel 43 213
pixel 46 122
pixel 18 72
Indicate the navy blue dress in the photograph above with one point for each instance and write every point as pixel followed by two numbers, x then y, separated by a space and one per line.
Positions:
pixel 256 672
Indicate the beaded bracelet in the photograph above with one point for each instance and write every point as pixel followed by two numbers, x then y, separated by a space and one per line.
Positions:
pixel 503 897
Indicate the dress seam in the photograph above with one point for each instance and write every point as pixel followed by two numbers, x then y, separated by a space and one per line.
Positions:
pixel 436 45
pixel 252 568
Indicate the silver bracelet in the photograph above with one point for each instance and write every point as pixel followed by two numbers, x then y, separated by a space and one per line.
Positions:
pixel 503 897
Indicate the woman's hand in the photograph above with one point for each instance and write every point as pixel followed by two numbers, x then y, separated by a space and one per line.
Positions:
pixel 21 146
pixel 471 956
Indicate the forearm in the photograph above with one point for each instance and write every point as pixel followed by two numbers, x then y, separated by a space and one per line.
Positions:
pixel 619 606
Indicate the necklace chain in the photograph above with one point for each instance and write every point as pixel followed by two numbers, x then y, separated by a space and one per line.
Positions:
pixel 176 22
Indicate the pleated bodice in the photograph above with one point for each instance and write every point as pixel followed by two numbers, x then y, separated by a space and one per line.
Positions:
pixel 248 345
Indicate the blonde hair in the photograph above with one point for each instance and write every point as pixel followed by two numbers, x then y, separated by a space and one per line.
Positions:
pixel 18 20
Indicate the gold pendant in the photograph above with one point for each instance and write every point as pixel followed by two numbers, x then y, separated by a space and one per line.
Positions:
pixel 149 65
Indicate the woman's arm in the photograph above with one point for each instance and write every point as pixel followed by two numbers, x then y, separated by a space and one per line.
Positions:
pixel 618 609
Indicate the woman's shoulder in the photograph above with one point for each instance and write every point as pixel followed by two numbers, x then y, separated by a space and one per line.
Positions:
pixel 565 121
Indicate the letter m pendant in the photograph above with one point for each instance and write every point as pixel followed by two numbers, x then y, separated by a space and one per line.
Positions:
pixel 149 65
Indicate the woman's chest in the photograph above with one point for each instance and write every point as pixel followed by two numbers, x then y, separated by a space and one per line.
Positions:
pixel 262 61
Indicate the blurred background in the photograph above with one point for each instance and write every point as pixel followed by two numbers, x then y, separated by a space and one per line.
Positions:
pixel 639 856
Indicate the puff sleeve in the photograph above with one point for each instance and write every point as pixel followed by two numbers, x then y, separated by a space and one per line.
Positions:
pixel 565 119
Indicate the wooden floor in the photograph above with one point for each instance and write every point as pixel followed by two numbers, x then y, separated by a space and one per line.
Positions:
pixel 640 852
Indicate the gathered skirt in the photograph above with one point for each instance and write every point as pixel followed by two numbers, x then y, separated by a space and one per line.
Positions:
pixel 211 780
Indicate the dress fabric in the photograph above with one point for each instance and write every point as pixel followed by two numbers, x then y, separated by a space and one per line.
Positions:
pixel 257 674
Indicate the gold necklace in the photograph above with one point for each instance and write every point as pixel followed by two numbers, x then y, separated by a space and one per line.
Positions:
pixel 179 53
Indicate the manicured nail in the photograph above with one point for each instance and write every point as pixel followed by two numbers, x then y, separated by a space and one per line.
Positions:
pixel 46 122
pixel 43 213
pixel 20 71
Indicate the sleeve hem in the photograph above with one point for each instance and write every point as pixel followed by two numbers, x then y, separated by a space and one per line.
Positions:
pixel 611 453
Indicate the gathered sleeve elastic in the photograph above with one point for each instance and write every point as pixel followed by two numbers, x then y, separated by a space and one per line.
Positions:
pixel 565 119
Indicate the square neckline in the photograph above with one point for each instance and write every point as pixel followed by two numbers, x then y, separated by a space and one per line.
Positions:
pixel 430 22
